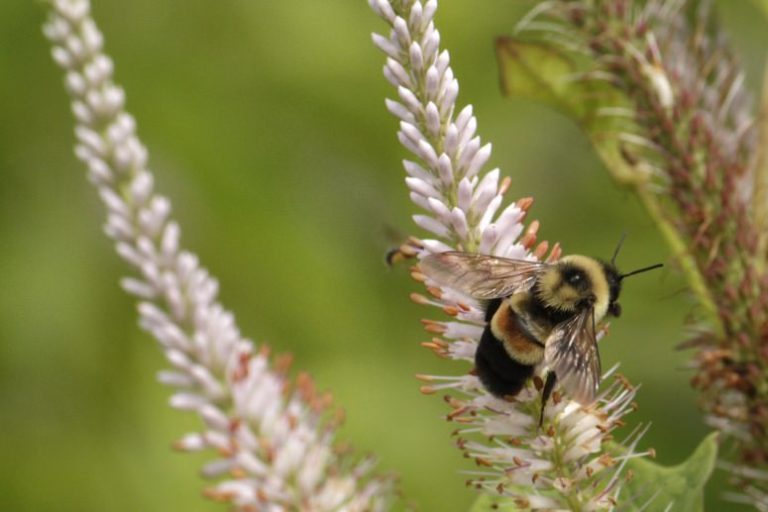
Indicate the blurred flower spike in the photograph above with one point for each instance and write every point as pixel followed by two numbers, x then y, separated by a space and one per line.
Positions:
pixel 670 115
pixel 274 438
pixel 568 464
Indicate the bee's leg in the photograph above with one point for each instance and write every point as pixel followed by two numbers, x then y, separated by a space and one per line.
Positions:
pixel 549 385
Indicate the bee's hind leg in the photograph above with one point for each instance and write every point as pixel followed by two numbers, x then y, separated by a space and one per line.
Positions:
pixel 549 385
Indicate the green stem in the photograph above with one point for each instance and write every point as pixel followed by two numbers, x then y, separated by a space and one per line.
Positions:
pixel 681 254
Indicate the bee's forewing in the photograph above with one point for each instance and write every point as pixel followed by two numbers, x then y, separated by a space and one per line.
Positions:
pixel 571 352
pixel 480 276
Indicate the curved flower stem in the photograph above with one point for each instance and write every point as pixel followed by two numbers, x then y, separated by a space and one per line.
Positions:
pixel 565 465
pixel 274 438
pixel 682 255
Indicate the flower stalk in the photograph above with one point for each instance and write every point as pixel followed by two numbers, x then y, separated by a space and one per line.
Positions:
pixel 684 127
pixel 567 465
pixel 273 436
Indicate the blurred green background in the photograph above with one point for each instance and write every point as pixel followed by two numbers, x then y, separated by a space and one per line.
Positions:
pixel 266 126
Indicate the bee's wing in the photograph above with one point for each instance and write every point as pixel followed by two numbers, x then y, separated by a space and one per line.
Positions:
pixel 480 276
pixel 571 352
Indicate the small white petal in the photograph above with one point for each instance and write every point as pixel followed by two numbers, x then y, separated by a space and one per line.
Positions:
pixel 459 222
pixel 384 10
pixel 488 239
pixel 391 78
pixel 217 467
pixel 92 38
pixel 129 254
pixel 463 118
pixel 464 195
pixel 169 244
pixel 386 45
pixel 422 187
pixel 436 246
pixel 412 132
pixel 175 379
pixel 119 228
pixel 407 142
pixel 397 70
pixel 443 61
pixel 213 417
pixel 478 161
pixel 440 209
pixel 398 110
pixel 490 211
pixel 178 359
pixel 82 112
pixel 417 171
pixel 141 187
pixel 485 191
pixel 420 201
pixel 99 172
pixel 187 401
pixel 427 153
pixel 432 116
pixel 432 82
pixel 468 151
pixel 400 27
pixel 56 30
pixel 417 58
pixel 431 225
pixel 460 330
pixel 429 10
pixel 138 288
pixel 191 443
pixel 414 18
pixel 445 169
pixel 449 96
pixel 91 139
pixel 75 83
pixel 409 99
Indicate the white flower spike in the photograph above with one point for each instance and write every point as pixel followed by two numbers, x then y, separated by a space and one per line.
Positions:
pixel 274 438
pixel 567 466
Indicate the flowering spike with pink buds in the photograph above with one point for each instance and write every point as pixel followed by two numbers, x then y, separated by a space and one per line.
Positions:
pixel 563 466
pixel 685 139
pixel 274 439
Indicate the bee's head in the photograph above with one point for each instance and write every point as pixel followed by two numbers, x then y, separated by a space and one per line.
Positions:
pixel 613 277
pixel 574 283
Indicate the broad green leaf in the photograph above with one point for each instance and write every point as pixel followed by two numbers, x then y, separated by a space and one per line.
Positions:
pixel 680 486
pixel 762 5
pixel 654 488
pixel 544 73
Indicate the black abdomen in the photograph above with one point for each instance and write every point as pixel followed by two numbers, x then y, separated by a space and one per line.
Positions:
pixel 499 373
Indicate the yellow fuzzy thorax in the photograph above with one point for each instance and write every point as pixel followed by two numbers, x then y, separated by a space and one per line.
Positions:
pixel 556 293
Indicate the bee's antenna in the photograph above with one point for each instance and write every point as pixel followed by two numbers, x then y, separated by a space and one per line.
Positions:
pixel 618 247
pixel 638 271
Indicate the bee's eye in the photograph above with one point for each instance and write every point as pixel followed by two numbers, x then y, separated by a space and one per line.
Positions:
pixel 574 278
pixel 615 309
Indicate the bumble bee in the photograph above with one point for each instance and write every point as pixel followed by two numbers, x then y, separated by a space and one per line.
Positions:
pixel 536 312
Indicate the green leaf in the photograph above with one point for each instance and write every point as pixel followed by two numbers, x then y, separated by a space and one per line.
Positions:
pixel 542 72
pixel 679 487
pixel 762 5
